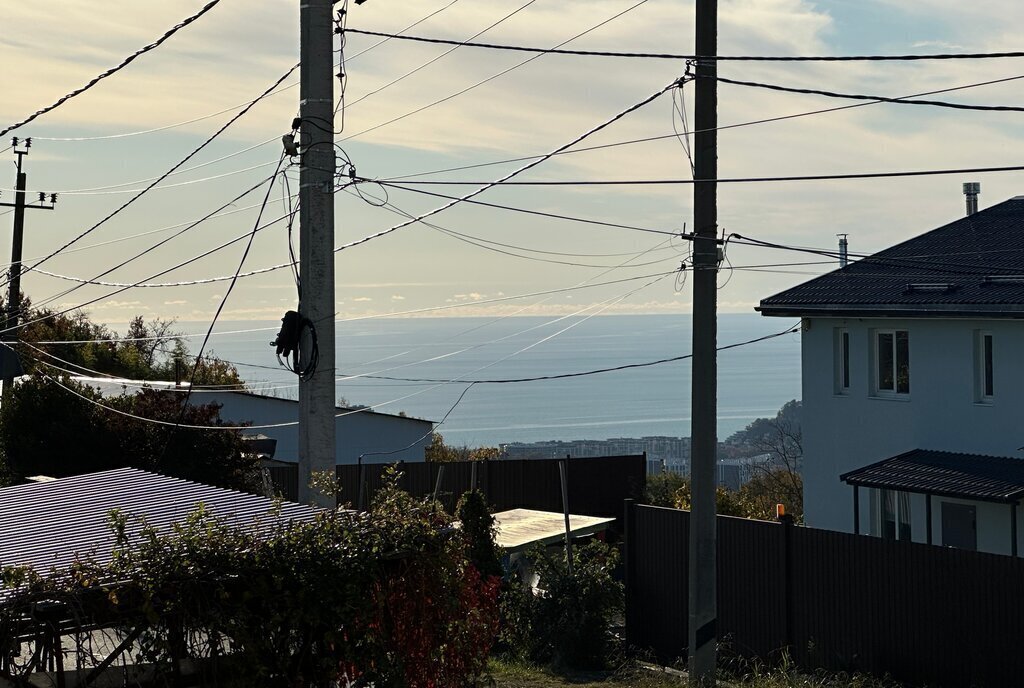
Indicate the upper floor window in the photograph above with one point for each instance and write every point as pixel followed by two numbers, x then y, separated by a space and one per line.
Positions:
pixel 841 355
pixel 984 380
pixel 892 362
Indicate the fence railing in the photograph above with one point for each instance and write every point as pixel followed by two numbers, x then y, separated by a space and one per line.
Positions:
pixel 597 485
pixel 923 614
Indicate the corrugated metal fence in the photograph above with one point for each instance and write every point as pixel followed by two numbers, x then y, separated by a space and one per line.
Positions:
pixel 597 485
pixel 925 615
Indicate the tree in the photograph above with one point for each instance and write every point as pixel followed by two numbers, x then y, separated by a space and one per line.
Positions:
pixel 780 479
pixel 727 502
pixel 661 488
pixel 439 452
pixel 770 487
pixel 148 351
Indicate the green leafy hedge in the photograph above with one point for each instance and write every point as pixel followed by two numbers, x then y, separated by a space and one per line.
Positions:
pixel 388 598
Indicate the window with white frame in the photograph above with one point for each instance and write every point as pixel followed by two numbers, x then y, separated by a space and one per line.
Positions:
pixel 892 362
pixel 841 360
pixel 984 379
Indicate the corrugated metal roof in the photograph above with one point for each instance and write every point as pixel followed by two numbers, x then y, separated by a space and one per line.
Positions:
pixel 948 474
pixel 973 266
pixel 48 524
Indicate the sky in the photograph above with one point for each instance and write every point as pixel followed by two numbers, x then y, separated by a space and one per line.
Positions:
pixel 235 51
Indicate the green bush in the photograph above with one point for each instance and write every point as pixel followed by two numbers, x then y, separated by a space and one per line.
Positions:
pixel 661 488
pixel 386 598
pixel 571 616
pixel 478 529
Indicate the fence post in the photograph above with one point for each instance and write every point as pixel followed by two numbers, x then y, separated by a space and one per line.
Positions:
pixel 362 484
pixel 563 469
pixel 437 486
pixel 629 560
pixel 786 522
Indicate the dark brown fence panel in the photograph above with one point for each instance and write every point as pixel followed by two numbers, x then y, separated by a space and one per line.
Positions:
pixel 656 581
pixel 922 614
pixel 752 619
pixel 597 486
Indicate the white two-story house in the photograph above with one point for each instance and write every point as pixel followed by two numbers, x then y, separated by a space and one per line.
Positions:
pixel 913 387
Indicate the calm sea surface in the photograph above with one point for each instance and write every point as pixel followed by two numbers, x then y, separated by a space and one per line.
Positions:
pixel 754 380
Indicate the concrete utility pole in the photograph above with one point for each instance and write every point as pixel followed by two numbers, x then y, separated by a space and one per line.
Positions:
pixel 316 244
pixel 702 635
pixel 7 358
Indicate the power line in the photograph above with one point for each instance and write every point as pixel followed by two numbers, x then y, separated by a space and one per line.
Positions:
pixel 220 306
pixel 229 109
pixel 157 421
pixel 426 434
pixel 766 120
pixel 149 232
pixel 587 373
pixel 188 157
pixel 113 189
pixel 150 249
pixel 725 180
pixel 879 99
pixel 113 70
pixel 490 245
pixel 678 56
pixel 431 61
pixel 514 173
pixel 490 78
pixel 911 262
pixel 345 413
pixel 528 211
pixel 162 272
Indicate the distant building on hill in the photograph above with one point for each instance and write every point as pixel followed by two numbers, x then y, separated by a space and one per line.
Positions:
pixel 672 450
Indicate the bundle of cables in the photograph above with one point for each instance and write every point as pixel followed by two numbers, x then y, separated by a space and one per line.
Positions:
pixel 289 351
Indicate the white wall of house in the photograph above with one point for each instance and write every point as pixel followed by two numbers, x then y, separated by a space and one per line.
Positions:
pixel 845 429
pixel 357 433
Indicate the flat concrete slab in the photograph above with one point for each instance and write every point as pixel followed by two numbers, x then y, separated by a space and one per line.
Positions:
pixel 518 529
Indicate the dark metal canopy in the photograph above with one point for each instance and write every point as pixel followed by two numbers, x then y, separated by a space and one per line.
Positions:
pixel 49 524
pixel 966 476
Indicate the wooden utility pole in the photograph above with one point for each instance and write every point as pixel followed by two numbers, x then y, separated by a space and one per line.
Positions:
pixel 8 359
pixel 702 636
pixel 316 246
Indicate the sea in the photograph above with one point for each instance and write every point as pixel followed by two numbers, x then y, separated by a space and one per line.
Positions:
pixel 422 367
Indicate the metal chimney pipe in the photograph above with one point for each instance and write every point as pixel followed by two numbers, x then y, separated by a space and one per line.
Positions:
pixel 843 251
pixel 971 191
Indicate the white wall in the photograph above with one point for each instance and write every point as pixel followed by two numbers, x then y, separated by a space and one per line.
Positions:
pixel 357 433
pixel 845 432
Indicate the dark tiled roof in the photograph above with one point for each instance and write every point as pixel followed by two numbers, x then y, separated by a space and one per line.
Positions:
pixel 968 476
pixel 973 266
pixel 47 524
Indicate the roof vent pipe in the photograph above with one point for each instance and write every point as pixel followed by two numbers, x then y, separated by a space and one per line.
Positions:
pixel 844 257
pixel 971 191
